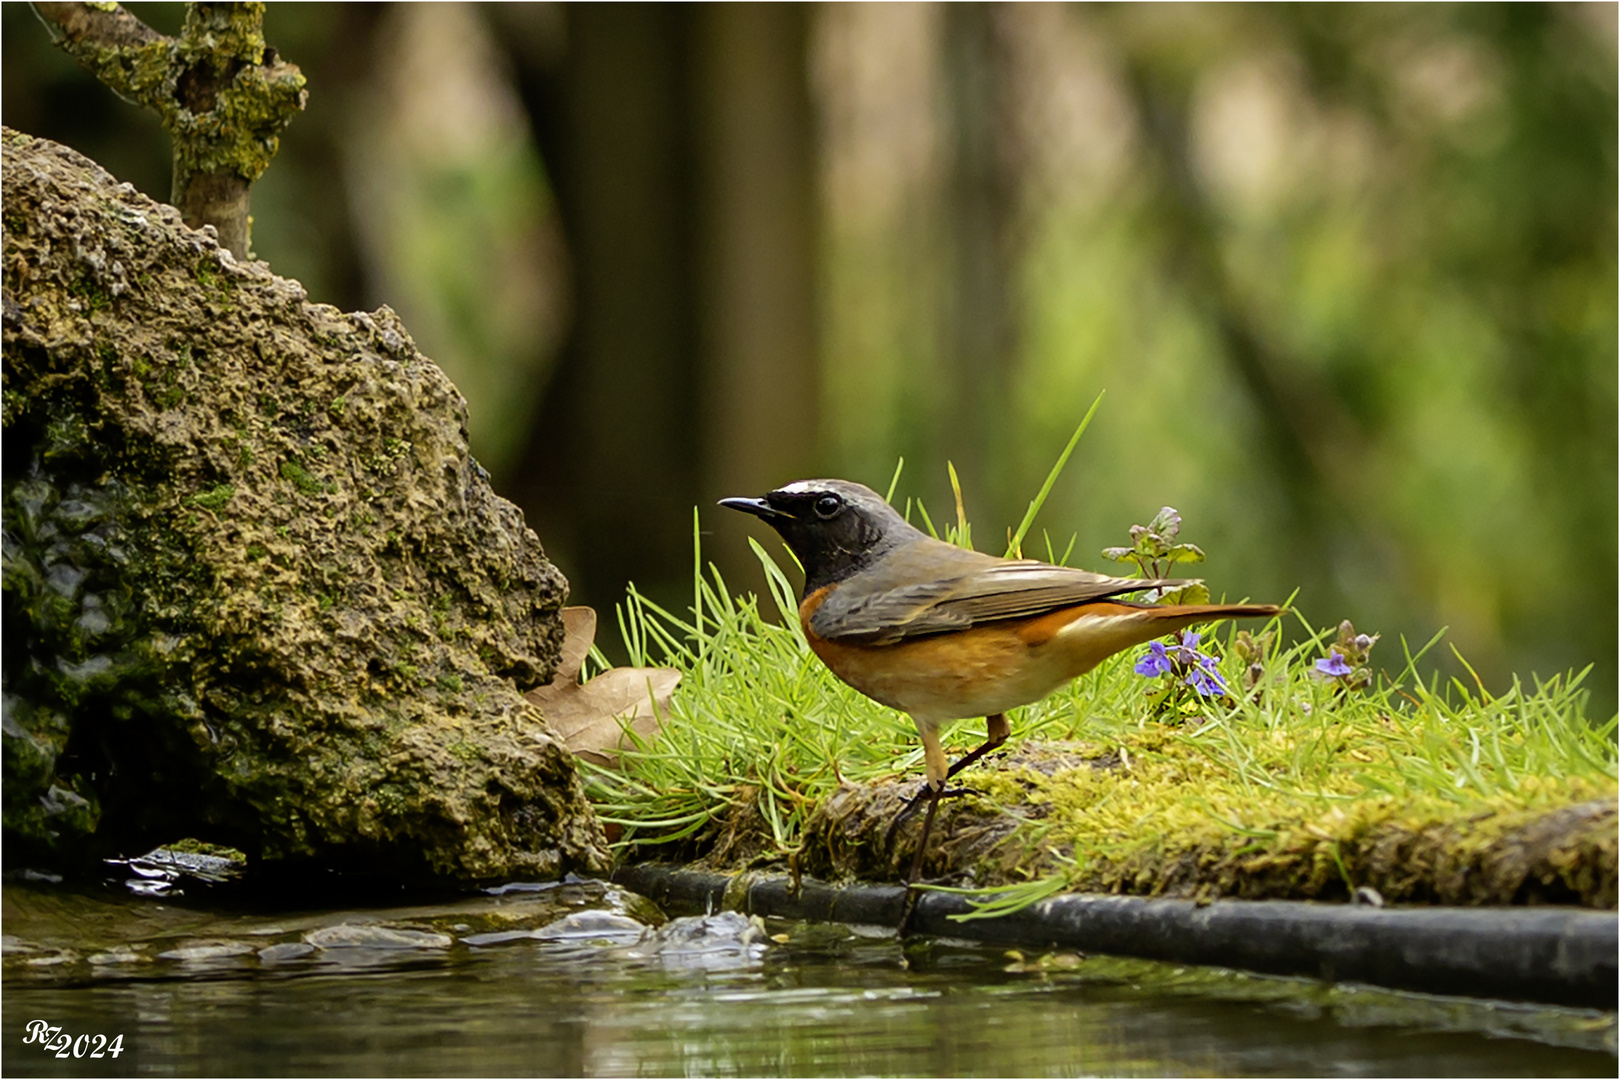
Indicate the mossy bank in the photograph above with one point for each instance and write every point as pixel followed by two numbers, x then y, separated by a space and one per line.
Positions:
pixel 256 590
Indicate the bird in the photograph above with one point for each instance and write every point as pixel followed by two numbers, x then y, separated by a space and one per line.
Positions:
pixel 944 633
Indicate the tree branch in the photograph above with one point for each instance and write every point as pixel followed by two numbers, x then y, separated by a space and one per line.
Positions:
pixel 74 26
pixel 223 95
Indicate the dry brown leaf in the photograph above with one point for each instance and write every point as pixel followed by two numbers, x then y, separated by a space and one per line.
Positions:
pixel 579 631
pixel 587 717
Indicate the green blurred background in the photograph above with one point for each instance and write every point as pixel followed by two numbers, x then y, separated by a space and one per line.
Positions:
pixel 1347 274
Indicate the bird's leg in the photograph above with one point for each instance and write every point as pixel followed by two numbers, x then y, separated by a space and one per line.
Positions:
pixel 910 909
pixel 922 842
pixel 935 791
pixel 996 731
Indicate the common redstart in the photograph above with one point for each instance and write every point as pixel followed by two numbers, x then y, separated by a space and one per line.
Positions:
pixel 944 633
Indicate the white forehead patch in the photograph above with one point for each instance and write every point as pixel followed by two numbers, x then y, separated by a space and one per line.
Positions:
pixel 803 487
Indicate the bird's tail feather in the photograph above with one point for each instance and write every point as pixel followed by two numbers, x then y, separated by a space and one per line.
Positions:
pixel 1192 613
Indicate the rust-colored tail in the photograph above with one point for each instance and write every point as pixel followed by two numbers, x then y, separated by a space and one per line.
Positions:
pixel 1165 619
pixel 1218 611
pixel 1168 618
pixel 1093 632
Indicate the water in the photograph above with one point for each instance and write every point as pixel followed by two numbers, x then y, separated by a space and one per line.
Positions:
pixel 817 1000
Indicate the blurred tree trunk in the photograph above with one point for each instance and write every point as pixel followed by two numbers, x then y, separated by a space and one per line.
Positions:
pixel 978 338
pixel 612 468
pixel 326 255
pixel 757 211
pixel 678 142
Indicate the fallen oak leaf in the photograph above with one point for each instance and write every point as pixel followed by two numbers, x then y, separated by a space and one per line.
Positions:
pixel 595 719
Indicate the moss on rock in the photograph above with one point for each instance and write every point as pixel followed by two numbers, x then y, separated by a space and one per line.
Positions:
pixel 1040 817
pixel 256 590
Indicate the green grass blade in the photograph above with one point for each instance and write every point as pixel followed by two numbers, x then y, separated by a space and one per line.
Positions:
pixel 894 481
pixel 1017 542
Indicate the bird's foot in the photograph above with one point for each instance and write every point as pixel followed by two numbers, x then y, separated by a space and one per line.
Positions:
pixel 927 794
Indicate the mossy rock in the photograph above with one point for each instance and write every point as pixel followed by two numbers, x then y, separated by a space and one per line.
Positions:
pixel 256 590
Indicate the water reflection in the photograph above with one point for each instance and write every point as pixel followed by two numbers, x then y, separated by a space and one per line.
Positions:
pixel 820 1000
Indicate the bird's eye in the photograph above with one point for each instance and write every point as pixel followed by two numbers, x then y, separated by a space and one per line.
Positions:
pixel 828 506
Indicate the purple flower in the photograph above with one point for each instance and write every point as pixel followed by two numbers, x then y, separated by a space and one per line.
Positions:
pixel 1183 660
pixel 1155 661
pixel 1206 680
pixel 1187 652
pixel 1334 665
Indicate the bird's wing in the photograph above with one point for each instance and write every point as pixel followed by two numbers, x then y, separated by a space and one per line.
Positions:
pixel 993 589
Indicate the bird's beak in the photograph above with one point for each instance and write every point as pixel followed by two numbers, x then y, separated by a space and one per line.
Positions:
pixel 758 507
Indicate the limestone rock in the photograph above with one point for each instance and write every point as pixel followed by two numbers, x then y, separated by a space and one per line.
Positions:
pixel 256 590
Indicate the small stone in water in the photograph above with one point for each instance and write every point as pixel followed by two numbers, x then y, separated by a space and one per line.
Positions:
pixel 368 936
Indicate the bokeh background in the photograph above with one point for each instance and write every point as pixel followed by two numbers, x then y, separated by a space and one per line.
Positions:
pixel 1347 274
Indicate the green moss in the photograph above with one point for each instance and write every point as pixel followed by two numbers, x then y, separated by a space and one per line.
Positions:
pixel 394 450
pixel 394 799
pixel 91 291
pixel 66 435
pixel 292 470
pixel 208 274
pixel 215 498
pixel 200 847
pixel 1212 836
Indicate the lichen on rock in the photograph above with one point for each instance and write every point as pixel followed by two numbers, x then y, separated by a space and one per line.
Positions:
pixel 256 590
